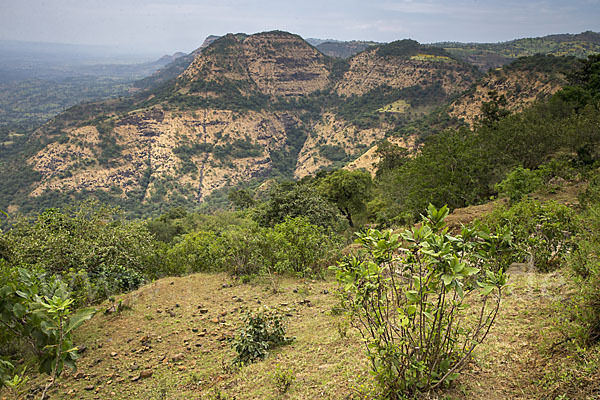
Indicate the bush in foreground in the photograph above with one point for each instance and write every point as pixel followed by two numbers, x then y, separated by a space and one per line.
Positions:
pixel 423 301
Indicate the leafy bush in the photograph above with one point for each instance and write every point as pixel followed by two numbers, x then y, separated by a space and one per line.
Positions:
pixel 294 200
pixel 261 331
pixel 35 309
pixel 410 293
pixel 200 251
pixel 283 379
pixel 115 254
pixel 542 232
pixel 294 246
pixel 584 264
pixel 300 247
pixel 518 183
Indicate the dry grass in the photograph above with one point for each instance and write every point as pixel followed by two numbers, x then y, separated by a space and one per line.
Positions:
pixel 166 320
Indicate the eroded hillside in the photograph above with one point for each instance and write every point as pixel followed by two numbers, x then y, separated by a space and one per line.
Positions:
pixel 257 107
pixel 521 83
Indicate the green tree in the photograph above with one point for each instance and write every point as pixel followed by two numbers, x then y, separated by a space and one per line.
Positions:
pixel 241 199
pixel 391 157
pixel 295 200
pixel 494 109
pixel 349 190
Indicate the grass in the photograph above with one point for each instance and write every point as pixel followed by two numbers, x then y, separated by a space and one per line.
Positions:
pixel 187 350
pixel 399 107
pixel 431 58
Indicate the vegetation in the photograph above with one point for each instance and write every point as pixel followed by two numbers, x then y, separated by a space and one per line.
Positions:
pixel 261 332
pixel 410 308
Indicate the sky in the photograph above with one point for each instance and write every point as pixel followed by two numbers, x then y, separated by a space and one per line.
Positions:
pixel 167 26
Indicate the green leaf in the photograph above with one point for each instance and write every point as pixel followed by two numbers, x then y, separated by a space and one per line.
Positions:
pixel 487 289
pixel 79 318
pixel 468 271
pixel 447 279
pixel 19 310
pixel 412 295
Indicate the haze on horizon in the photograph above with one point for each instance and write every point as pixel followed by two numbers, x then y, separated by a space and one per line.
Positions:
pixel 166 26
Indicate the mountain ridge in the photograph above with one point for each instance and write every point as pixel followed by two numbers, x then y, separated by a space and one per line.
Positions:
pixel 248 107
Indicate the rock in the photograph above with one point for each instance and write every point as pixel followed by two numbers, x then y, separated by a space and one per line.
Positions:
pixel 215 320
pixel 195 330
pixel 557 181
pixel 223 313
pixel 325 291
pixel 114 354
pixel 177 357
pixel 90 387
pixel 147 373
pixel 177 305
pixel 203 310
pixel 79 375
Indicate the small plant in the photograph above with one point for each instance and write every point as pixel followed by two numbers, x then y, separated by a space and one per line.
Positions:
pixel 409 293
pixel 38 312
pixel 283 378
pixel 261 331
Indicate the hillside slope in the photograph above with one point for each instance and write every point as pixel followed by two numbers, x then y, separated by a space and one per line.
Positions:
pixel 250 108
pixel 174 342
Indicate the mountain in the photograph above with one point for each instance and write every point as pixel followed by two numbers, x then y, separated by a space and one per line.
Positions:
pixel 493 55
pixel 344 49
pixel 243 108
pixel 521 83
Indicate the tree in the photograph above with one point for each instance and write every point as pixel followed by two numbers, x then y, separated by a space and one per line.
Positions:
pixel 391 157
pixel 295 200
pixel 349 190
pixel 241 199
pixel 495 109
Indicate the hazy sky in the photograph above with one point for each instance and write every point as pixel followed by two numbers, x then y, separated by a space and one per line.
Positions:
pixel 166 26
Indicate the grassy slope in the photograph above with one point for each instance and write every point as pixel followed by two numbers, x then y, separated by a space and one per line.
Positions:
pixel 327 366
pixel 165 320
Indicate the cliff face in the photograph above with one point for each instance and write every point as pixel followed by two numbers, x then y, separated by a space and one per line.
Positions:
pixel 273 63
pixel 403 65
pixel 521 83
pixel 256 107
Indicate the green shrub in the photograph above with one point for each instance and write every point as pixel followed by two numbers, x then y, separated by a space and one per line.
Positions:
pixel 542 232
pixel 261 331
pixel 410 292
pixel 518 183
pixel 584 264
pixel 114 253
pixel 591 194
pixel 283 379
pixel 200 251
pixel 35 311
pixel 301 248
